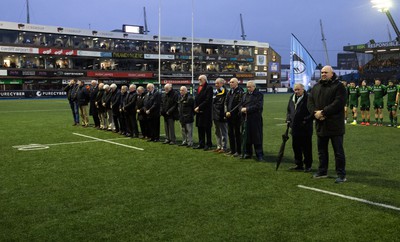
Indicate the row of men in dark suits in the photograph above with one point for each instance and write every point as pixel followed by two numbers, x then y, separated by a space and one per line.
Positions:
pixel 235 114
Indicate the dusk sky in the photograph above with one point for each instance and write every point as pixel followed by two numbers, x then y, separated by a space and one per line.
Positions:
pixel 344 21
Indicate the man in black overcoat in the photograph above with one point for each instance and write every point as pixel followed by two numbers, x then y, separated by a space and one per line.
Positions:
pixel 251 109
pixel 301 124
pixel 152 105
pixel 94 89
pixel 203 109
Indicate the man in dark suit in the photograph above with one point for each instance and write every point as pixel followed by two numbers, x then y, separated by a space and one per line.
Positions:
pixel 122 117
pixel 233 116
pixel 152 105
pixel 130 111
pixel 94 89
pixel 186 116
pixel 251 109
pixel 115 101
pixel 300 121
pixel 203 110
pixel 72 91
pixel 169 109
pixel 142 117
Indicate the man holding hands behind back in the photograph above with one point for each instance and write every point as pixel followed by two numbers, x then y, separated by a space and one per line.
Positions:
pixel 326 101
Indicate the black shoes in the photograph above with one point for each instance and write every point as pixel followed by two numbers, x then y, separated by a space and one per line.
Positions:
pixel 296 168
pixel 245 157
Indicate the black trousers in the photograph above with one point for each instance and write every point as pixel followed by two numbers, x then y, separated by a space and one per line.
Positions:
pixel 235 137
pixel 154 128
pixel 302 149
pixel 131 123
pixel 258 148
pixel 340 159
pixel 203 133
pixel 96 119
pixel 116 118
pixel 122 122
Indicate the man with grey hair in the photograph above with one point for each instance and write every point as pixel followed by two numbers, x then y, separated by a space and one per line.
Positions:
pixel 300 121
pixel 107 105
pixel 218 114
pixel 83 101
pixel 115 101
pixel 232 114
pixel 186 116
pixel 100 108
pixel 251 110
pixel 130 111
pixel 141 94
pixel 152 105
pixel 203 110
pixel 169 109
pixel 93 91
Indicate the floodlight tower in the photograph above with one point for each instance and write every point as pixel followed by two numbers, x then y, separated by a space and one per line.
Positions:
pixel 384 6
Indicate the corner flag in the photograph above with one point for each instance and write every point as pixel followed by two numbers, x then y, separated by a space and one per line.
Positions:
pixel 302 65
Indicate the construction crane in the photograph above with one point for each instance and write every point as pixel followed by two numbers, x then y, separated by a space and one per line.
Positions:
pixel 241 23
pixel 28 19
pixel 145 21
pixel 324 43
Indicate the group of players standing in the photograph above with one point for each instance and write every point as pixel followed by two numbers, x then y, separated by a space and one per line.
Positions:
pixel 360 97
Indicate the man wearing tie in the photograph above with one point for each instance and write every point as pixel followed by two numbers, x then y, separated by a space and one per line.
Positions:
pixel 203 110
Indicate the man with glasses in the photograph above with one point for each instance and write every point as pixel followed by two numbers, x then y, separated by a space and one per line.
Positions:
pixel 326 101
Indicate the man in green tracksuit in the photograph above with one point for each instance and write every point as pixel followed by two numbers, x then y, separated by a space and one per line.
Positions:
pixel 365 102
pixel 353 100
pixel 347 101
pixel 398 99
pixel 391 91
pixel 379 92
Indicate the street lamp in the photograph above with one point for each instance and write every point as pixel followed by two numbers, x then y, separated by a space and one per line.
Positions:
pixel 384 6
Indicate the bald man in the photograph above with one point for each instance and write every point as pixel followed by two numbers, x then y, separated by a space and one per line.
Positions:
pixel 326 101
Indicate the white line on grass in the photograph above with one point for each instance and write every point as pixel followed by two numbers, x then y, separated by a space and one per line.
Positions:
pixel 31 147
pixel 350 198
pixel 107 141
pixel 81 142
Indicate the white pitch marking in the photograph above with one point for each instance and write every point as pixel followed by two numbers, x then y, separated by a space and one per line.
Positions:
pixel 80 142
pixel 31 147
pixel 350 198
pixel 107 141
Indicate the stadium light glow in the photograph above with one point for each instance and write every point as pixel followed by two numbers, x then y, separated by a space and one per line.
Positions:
pixel 382 5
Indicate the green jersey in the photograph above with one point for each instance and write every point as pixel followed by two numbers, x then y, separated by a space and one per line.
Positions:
pixel 379 92
pixel 364 95
pixel 391 95
pixel 354 93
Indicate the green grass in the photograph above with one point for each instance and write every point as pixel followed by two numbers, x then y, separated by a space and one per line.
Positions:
pixel 99 191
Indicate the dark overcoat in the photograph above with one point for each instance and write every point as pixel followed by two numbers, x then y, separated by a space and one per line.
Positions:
pixel 204 100
pixel 254 103
pixel 299 117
